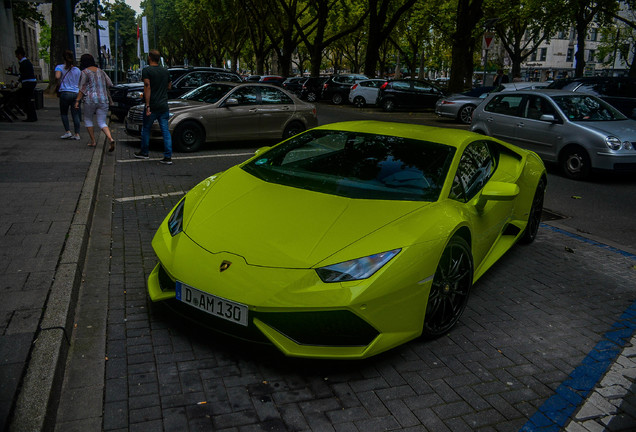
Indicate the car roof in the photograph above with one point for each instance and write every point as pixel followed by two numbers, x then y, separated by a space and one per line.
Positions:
pixel 543 91
pixel 457 138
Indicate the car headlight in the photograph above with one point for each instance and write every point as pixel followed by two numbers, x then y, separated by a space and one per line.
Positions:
pixel 356 269
pixel 136 95
pixel 175 223
pixel 613 143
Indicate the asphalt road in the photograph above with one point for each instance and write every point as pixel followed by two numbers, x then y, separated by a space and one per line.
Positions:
pixel 603 207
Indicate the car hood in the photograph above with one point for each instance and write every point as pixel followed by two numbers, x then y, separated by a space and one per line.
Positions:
pixel 623 129
pixel 178 105
pixel 129 86
pixel 272 225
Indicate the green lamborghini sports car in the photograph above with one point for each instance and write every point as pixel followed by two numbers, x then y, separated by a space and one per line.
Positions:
pixel 348 239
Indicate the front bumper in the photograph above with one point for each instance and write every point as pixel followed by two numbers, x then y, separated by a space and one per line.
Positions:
pixel 615 161
pixel 292 308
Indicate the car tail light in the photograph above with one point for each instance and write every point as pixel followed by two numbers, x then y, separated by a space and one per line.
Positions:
pixel 325 86
pixel 384 85
pixel 445 102
pixel 353 87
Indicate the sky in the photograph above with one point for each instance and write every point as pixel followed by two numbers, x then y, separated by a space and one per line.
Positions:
pixel 135 5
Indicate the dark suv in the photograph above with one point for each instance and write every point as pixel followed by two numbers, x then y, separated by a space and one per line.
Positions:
pixel 408 93
pixel 310 88
pixel 619 92
pixel 337 87
pixel 128 95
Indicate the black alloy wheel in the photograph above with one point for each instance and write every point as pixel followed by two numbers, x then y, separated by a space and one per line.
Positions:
pixel 534 217
pixel 450 289
pixel 337 98
pixel 311 96
pixel 189 136
pixel 388 105
pixel 294 128
pixel 359 102
pixel 575 163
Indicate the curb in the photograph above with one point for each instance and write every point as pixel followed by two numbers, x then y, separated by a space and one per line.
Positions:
pixel 38 397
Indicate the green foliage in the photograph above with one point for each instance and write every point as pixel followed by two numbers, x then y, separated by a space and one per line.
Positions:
pixel 27 11
pixel 119 11
pixel 45 43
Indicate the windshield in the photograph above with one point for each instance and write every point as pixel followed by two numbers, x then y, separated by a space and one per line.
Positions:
pixel 587 108
pixel 357 165
pixel 209 93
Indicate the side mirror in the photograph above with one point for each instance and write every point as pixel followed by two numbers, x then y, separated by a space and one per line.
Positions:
pixel 497 191
pixel 548 118
pixel 230 102
pixel 261 150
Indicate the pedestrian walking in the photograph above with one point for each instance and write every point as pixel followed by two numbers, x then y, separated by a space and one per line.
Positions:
pixel 157 82
pixel 68 77
pixel 93 88
pixel 501 78
pixel 28 82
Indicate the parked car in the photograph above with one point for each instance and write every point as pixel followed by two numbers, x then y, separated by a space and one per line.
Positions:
pixel 365 92
pixel 311 88
pixel 276 80
pixel 293 84
pixel 620 92
pixel 408 93
pixel 227 111
pixel 349 239
pixel 128 95
pixel 578 131
pixel 336 88
pixel 460 106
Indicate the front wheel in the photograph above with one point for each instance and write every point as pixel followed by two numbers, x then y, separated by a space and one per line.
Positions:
pixel 575 163
pixel 449 292
pixel 312 96
pixel 534 217
pixel 189 136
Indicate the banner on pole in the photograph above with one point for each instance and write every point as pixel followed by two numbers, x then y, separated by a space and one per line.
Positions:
pixel 144 31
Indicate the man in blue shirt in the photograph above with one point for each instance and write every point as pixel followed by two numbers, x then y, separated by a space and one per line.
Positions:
pixel 28 82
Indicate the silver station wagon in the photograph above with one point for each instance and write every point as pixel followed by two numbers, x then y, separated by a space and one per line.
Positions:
pixel 578 131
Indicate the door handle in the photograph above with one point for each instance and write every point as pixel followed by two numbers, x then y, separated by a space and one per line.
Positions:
pixel 520 124
pixel 253 110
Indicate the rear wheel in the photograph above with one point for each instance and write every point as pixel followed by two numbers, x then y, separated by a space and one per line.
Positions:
pixel 294 128
pixel 359 102
pixel 312 96
pixel 189 136
pixel 534 218
pixel 449 291
pixel 466 114
pixel 576 163
pixel 388 105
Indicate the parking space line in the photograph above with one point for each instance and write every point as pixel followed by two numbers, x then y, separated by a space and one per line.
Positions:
pixel 220 155
pixel 144 197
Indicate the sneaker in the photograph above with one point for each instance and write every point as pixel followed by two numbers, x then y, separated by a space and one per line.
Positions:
pixel 75 137
pixel 166 161
pixel 67 135
pixel 140 155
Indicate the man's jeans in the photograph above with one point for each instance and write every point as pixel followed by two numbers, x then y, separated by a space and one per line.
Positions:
pixel 163 124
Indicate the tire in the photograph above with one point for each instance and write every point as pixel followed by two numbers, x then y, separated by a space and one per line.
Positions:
pixel 388 105
pixel 189 136
pixel 312 97
pixel 575 163
pixel 534 217
pixel 465 114
pixel 337 99
pixel 359 102
pixel 294 128
pixel 450 289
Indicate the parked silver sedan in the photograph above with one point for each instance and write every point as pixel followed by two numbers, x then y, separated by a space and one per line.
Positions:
pixel 460 106
pixel 578 131
pixel 225 111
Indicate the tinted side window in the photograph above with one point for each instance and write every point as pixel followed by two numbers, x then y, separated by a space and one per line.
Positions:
pixel 401 85
pixel 422 87
pixel 270 96
pixel 246 96
pixel 194 79
pixel 476 166
pixel 505 104
pixel 538 106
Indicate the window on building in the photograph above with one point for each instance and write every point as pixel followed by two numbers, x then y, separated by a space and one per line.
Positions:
pixel 533 56
pixel 594 34
pixel 544 54
pixel 561 34
pixel 591 55
pixel 85 41
pixel 570 55
pixel 77 42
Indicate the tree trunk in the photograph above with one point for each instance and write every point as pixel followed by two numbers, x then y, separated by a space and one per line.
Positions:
pixel 581 31
pixel 468 15
pixel 59 40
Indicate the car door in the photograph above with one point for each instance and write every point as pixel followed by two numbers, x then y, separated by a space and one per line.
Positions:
pixel 403 93
pixel 477 165
pixel 501 115
pixel 425 94
pixel 240 122
pixel 369 90
pixel 541 136
pixel 274 111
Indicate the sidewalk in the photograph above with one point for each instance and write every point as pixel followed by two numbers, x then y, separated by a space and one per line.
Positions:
pixel 47 195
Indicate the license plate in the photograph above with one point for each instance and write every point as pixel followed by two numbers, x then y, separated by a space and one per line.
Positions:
pixel 134 127
pixel 217 306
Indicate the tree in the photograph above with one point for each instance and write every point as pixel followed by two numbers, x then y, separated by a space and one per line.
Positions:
pixel 120 12
pixel 469 14
pixel 383 17
pixel 620 38
pixel 522 25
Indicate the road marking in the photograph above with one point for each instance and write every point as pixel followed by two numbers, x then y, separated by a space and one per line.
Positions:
pixel 143 197
pixel 189 157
